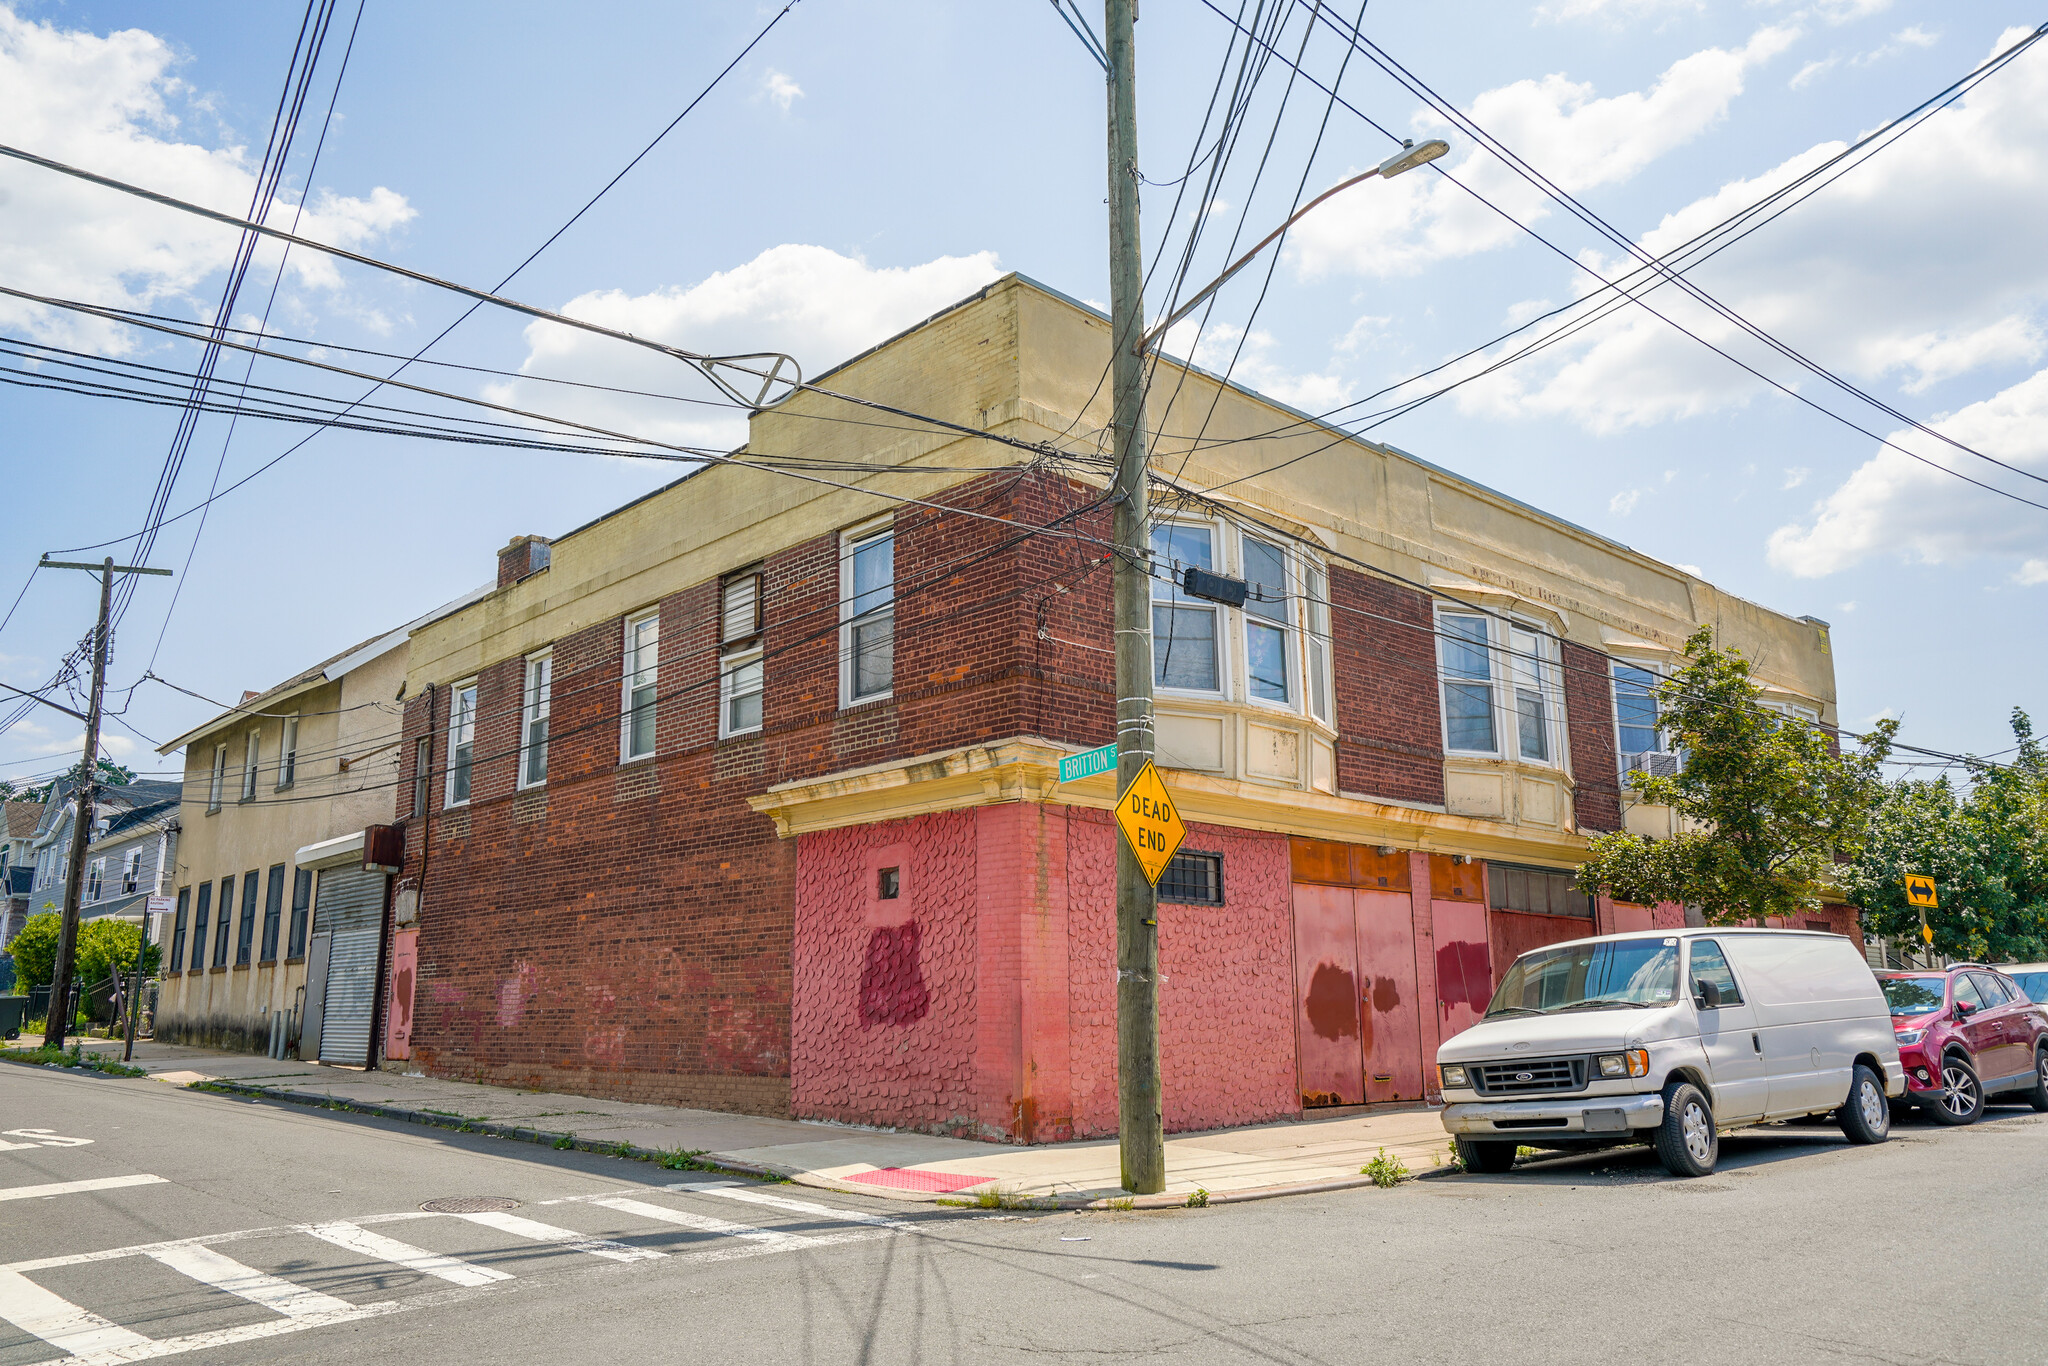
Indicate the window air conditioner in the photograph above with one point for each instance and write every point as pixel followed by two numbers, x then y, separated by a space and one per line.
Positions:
pixel 1651 763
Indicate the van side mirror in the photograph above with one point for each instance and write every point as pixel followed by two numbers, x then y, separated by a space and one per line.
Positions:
pixel 1707 995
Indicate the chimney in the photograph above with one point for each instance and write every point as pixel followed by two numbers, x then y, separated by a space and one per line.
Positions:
pixel 522 556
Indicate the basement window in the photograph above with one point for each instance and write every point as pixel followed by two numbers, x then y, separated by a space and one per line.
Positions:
pixel 1193 879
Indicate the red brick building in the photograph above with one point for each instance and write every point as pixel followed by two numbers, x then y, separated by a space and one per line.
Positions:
pixel 745 796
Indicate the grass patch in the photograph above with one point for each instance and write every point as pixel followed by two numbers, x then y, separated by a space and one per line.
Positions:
pixel 1386 1171
pixel 1198 1198
pixel 1125 1203
pixel 77 1058
pixel 565 1142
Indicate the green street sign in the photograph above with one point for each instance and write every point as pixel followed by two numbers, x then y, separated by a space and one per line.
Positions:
pixel 1089 764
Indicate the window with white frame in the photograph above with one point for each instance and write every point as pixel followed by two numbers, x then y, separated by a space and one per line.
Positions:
pixel 1269 609
pixel 867 602
pixel 288 752
pixel 251 747
pixel 218 785
pixel 95 879
pixel 461 741
pixel 1639 738
pixel 1316 631
pixel 1501 692
pixel 1187 635
pixel 533 721
pixel 641 668
pixel 1465 656
pixel 131 872
pixel 742 676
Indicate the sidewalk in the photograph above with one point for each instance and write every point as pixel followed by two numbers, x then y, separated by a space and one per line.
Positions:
pixel 1230 1164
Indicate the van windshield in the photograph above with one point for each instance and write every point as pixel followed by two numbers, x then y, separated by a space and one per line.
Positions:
pixel 1622 974
pixel 1914 995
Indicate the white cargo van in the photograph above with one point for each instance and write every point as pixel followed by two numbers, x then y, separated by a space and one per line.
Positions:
pixel 1670 1037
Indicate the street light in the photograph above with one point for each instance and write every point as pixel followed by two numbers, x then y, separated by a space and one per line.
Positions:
pixel 1407 159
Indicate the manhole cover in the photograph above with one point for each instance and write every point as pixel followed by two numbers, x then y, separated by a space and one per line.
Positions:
pixel 470 1204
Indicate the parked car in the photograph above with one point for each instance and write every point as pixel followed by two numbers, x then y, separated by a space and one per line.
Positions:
pixel 1594 1042
pixel 2032 979
pixel 1967 1033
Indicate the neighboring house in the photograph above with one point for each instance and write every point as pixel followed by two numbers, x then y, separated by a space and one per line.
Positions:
pixel 17 864
pixel 278 796
pixel 133 829
pixel 746 794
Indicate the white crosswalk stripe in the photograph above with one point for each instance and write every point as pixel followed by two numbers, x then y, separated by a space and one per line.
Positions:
pixel 356 1238
pixel 548 1233
pixel 98 1183
pixel 92 1339
pixel 223 1272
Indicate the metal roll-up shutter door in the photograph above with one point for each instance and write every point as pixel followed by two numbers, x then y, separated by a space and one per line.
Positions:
pixel 350 906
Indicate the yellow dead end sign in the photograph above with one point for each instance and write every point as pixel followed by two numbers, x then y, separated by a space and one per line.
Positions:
pixel 1150 822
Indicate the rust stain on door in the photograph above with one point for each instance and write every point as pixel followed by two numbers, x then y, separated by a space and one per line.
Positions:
pixel 1386 964
pixel 1326 997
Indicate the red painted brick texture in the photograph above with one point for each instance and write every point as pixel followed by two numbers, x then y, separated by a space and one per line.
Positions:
pixel 1388 719
pixel 1018 950
pixel 1589 715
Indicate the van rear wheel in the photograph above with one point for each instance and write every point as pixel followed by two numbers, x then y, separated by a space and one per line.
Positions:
pixel 1866 1116
pixel 1687 1141
pixel 1481 1156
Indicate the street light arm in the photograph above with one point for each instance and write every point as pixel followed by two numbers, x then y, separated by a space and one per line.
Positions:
pixel 1407 159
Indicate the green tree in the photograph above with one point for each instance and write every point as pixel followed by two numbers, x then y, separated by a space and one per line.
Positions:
pixel 1986 849
pixel 108 945
pixel 1768 804
pixel 110 774
pixel 35 951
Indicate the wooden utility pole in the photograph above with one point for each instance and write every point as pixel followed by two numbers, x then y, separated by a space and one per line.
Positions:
pixel 59 1020
pixel 1140 1127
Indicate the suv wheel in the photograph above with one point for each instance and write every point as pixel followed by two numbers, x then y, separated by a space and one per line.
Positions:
pixel 1480 1156
pixel 1687 1141
pixel 2038 1096
pixel 1961 1098
pixel 1866 1116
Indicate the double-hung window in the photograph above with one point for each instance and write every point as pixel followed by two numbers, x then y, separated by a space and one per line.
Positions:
pixel 288 752
pixel 642 667
pixel 1635 711
pixel 1316 627
pixel 1268 610
pixel 95 878
pixel 200 916
pixel 1465 654
pixel 461 741
pixel 867 597
pixel 218 785
pixel 1186 639
pixel 131 871
pixel 302 906
pixel 533 721
pixel 422 761
pixel 273 911
pixel 224 922
pixel 742 676
pixel 1530 673
pixel 245 929
pixel 251 752
pixel 177 959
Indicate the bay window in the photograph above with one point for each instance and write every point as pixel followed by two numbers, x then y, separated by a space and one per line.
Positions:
pixel 1500 686
pixel 1268 608
pixel 1466 658
pixel 1185 637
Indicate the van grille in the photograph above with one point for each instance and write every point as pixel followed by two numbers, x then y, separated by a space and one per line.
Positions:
pixel 1531 1077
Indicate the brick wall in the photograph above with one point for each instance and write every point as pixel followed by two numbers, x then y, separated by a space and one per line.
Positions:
pixel 1384 654
pixel 1589 715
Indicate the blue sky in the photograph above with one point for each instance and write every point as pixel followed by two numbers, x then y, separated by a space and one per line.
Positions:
pixel 870 162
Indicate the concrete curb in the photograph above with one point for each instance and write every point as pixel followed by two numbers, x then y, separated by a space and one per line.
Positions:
pixel 517 1133
pixel 763 1172
pixel 66 1067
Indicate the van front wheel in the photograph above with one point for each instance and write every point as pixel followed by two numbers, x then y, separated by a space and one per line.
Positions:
pixel 1687 1140
pixel 1480 1156
pixel 1866 1116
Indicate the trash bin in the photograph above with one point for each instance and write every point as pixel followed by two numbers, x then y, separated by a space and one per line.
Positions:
pixel 13 1010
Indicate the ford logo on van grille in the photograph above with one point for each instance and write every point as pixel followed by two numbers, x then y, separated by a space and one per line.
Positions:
pixel 1525 1076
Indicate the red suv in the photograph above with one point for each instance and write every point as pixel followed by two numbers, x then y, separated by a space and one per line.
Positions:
pixel 1967 1033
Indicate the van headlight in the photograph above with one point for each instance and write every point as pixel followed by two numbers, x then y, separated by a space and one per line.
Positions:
pixel 1451 1076
pixel 1634 1063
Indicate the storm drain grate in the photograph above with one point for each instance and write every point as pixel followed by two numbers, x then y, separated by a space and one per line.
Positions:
pixel 470 1204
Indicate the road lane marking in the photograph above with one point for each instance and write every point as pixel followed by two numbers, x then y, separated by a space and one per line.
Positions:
pixel 548 1233
pixel 356 1238
pixel 223 1272
pixel 59 1322
pixel 221 1337
pixel 704 1223
pixel 749 1195
pixel 98 1183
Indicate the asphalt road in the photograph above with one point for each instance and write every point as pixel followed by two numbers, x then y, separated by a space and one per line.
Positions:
pixel 267 1233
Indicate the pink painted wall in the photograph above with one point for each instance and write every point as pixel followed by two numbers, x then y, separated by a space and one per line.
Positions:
pixel 982 1002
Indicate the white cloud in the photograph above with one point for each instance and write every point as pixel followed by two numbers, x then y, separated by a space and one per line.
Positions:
pixel 1691 569
pixel 1795 475
pixel 1919 266
pixel 781 91
pixel 1623 503
pixel 809 302
pixel 1898 42
pixel 1252 364
pixel 1820 66
pixel 1840 11
pixel 1895 505
pixel 1846 607
pixel 111 103
pixel 1556 125
pixel 2031 573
